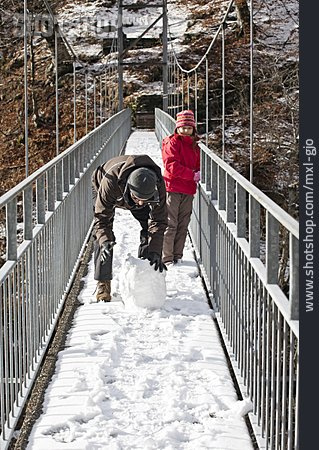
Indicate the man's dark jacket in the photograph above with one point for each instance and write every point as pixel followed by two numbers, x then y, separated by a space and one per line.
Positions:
pixel 109 181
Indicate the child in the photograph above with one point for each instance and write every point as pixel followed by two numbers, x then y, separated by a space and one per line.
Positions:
pixel 181 159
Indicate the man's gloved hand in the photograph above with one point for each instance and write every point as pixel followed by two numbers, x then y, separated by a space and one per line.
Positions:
pixel 197 176
pixel 106 249
pixel 156 259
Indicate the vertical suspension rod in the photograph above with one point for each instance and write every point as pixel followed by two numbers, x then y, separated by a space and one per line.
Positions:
pixel 120 54
pixel 251 131
pixel 165 68
pixel 182 90
pixel 206 102
pixel 101 99
pixel 74 102
pixel 196 97
pixel 94 101
pixel 56 88
pixel 171 101
pixel 223 91
pixel 110 91
pixel 169 83
pixel 172 85
pixel 105 94
pixel 175 87
pixel 26 107
pixel 86 101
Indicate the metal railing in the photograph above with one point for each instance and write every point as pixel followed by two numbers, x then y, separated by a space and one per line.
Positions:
pixel 258 321
pixel 48 221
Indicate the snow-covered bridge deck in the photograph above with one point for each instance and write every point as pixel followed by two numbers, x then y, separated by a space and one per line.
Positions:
pixel 152 379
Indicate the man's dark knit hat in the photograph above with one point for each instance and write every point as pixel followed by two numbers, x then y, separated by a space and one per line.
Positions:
pixel 142 183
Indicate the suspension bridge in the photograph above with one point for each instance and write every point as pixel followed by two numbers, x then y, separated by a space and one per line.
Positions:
pixel 239 235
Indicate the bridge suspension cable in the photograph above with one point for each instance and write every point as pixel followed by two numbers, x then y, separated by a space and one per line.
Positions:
pixel 193 69
pixel 177 85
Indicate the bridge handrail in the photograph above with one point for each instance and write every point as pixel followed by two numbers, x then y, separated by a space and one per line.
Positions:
pixel 55 216
pixel 281 215
pixel 257 317
pixel 5 198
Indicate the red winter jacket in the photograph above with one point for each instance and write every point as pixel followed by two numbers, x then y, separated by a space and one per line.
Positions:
pixel 181 159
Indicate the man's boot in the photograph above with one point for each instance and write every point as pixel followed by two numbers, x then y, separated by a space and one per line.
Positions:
pixel 103 291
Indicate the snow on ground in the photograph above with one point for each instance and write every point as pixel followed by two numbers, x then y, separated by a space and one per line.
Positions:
pixel 143 378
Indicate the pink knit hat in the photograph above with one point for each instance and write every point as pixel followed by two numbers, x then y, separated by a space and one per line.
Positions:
pixel 185 119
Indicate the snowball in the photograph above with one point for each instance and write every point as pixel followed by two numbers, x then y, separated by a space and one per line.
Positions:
pixel 140 285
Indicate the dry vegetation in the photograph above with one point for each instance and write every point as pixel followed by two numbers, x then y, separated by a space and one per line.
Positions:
pixel 276 92
pixel 275 108
pixel 41 91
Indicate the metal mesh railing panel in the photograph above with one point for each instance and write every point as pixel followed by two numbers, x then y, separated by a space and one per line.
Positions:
pixel 42 254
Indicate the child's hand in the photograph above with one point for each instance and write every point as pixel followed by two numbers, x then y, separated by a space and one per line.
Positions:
pixel 197 176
